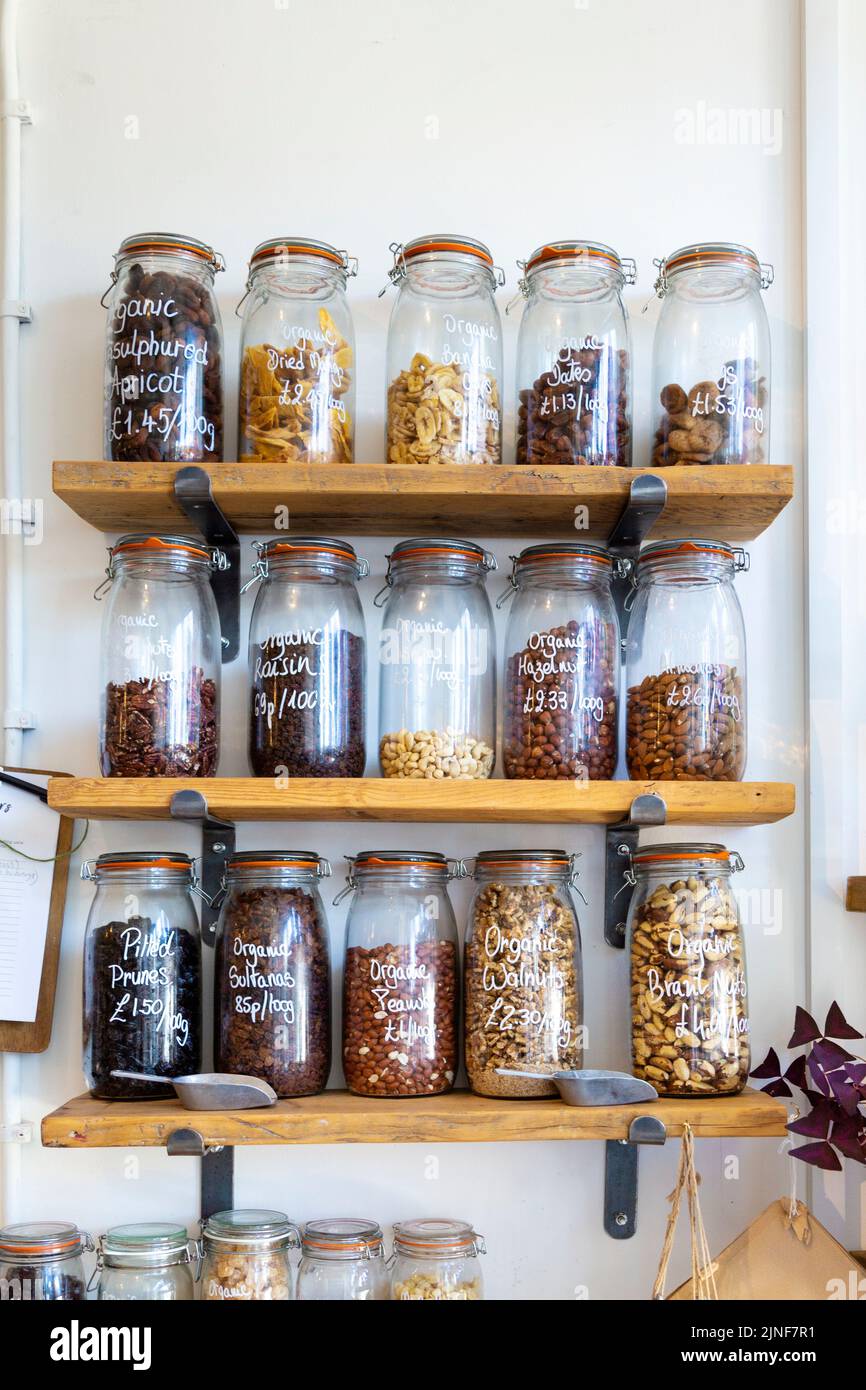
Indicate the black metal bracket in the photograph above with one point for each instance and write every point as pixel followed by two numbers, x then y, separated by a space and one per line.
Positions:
pixel 217 1168
pixel 647 499
pixel 620 1175
pixel 217 847
pixel 194 495
pixel 620 842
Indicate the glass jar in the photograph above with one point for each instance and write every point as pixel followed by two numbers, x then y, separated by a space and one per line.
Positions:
pixel 562 665
pixel 149 1262
pixel 164 352
pixel 297 390
pixel 523 977
pixel 574 357
pixel 245 1257
pixel 400 984
pixel 436 1260
pixel 444 361
pixel 686 665
pixel 142 974
pixel 41 1261
pixel 711 357
pixel 343 1261
pixel 689 1003
pixel 437 662
pixel 160 662
pixel 272 976
pixel 307 657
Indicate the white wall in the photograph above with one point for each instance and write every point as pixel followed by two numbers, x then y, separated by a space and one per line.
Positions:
pixel 363 124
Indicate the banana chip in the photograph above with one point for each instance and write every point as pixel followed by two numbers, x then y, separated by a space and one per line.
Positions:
pixel 291 399
pixel 433 418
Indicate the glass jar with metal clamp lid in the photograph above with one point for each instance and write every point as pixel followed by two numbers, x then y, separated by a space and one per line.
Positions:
pixel 246 1257
pixel 164 352
pixel 151 1261
pixel 687 955
pixel 297 392
pixel 42 1262
pixel 444 359
pixel 161 659
pixel 574 356
pixel 436 1260
pixel 343 1260
pixel 711 357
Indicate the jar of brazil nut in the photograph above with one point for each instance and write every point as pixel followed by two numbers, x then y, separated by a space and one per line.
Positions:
pixel 272 977
pixel 342 1261
pixel 436 1260
pixel 562 665
pixel 573 357
pixel 307 654
pixel 164 352
pixel 711 357
pixel 437 662
pixel 686 664
pixel 444 365
pixel 400 986
pixel 689 1006
pixel 522 972
pixel 246 1257
pixel 297 392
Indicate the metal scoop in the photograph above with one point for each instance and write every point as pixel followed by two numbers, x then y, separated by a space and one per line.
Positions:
pixel 212 1090
pixel 592 1087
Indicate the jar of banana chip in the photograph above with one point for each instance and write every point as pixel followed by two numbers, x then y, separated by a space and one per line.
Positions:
pixel 444 367
pixel 297 388
pixel 689 1005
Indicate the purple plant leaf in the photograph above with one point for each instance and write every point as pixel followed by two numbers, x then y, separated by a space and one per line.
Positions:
pixel 777 1088
pixel 805 1031
pixel 816 1072
pixel 845 1092
pixel 830 1054
pixel 820 1155
pixel 815 1125
pixel 770 1066
pixel 796 1074
pixel 837 1025
pixel 849 1137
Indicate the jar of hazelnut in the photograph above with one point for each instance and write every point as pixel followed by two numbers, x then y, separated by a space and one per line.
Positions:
pixel 246 1257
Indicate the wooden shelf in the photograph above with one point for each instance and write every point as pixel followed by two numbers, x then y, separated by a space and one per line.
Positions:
pixel 392 799
pixel 732 503
pixel 339 1118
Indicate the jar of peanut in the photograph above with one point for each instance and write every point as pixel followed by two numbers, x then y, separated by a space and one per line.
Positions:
pixel 436 1260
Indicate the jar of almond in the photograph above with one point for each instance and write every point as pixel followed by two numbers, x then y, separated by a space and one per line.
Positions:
pixel 689 1003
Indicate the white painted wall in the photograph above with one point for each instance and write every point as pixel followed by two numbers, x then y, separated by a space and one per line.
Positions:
pixel 363 124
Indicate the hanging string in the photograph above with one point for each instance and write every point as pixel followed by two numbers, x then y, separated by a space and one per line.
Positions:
pixel 703 1267
pixel 48 858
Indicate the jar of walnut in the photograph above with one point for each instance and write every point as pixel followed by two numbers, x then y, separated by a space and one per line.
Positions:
pixel 444 366
pixel 689 1004
pixel 522 972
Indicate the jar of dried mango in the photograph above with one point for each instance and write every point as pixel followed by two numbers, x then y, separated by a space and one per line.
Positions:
pixel 297 389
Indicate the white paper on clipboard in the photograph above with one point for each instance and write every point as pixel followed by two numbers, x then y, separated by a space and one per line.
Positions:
pixel 25 896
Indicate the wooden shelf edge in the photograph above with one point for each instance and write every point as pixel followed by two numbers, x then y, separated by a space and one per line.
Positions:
pixel 339 1118
pixel 497 801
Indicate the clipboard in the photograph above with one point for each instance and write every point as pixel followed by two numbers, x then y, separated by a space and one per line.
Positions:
pixel 35 1036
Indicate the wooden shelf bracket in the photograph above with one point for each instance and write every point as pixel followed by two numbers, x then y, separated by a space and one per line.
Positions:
pixel 620 843
pixel 620 1175
pixel 217 847
pixel 194 494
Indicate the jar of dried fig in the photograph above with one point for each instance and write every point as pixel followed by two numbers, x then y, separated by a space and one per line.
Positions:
pixel 164 352
pixel 444 367
pixel 686 664
pixel 562 659
pixel 711 357
pixel 297 391
pixel 307 656
pixel 574 357
pixel 689 1003
pixel 272 977
pixel 400 986
pixel 523 978
pixel 161 659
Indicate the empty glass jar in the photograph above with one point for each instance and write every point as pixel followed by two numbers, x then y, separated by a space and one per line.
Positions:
pixel 562 660
pixel 164 352
pixel 41 1261
pixel 711 357
pixel 437 654
pixel 342 1260
pixel 272 977
pixel 444 365
pixel 686 665
pixel 151 1261
pixel 161 658
pixel 307 658
pixel 246 1257
pixel 297 392
pixel 437 1260
pixel 573 357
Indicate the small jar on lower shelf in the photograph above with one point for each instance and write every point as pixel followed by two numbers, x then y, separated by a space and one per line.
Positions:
pixel 342 1261
pixel 148 1262
pixel 245 1257
pixel 436 1260
pixel 42 1262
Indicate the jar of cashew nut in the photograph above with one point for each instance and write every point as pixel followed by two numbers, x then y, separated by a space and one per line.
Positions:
pixel 689 1004
pixel 444 367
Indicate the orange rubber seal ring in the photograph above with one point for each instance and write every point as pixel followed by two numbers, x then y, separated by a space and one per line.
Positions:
pixel 400 864
pixel 145 864
pixel 54 1248
pixel 554 253
pixel 286 547
pixel 205 253
pixel 438 550
pixel 342 1245
pixel 566 555
pixel 689 854
pixel 689 546
pixel 423 247
pixel 273 864
pixel 288 248
pixel 154 543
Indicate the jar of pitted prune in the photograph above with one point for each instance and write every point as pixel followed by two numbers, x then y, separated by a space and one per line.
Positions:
pixel 307 655
pixel 142 974
pixel 161 659
pixel 41 1261
pixel 562 659
pixel 164 352
pixel 272 978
